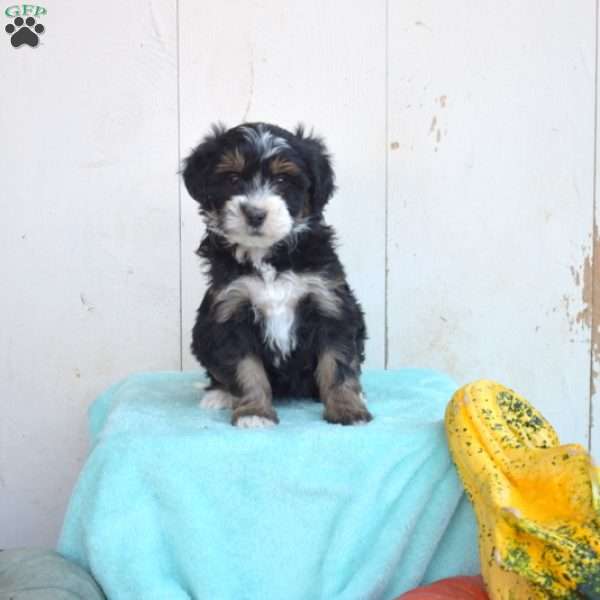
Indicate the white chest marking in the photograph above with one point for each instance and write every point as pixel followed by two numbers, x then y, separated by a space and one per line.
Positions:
pixel 274 298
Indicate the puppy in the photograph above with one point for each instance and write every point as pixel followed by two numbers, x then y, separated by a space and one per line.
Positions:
pixel 279 318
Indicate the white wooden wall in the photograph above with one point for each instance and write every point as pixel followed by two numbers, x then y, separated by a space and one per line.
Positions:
pixel 464 140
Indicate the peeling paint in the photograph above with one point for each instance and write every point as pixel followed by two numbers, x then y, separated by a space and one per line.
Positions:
pixel 421 24
pixel 594 293
pixel 566 303
pixel 587 279
pixel 433 124
pixel 436 128
pixel 584 316
pixel 84 302
pixel 583 279
pixel 576 276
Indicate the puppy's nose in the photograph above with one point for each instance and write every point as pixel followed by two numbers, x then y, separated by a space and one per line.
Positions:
pixel 254 216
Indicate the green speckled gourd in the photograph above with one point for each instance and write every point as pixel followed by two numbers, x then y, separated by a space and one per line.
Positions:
pixel 537 502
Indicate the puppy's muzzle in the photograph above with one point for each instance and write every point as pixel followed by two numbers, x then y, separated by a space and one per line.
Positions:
pixel 255 217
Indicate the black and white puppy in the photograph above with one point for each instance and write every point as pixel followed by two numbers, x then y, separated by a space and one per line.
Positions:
pixel 279 318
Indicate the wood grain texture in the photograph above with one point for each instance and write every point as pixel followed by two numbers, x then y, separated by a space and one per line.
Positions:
pixel 89 238
pixel 494 268
pixel 322 63
pixel 491 129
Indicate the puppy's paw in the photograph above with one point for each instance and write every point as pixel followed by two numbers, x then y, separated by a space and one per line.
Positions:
pixel 347 409
pixel 348 416
pixel 251 416
pixel 216 400
pixel 254 422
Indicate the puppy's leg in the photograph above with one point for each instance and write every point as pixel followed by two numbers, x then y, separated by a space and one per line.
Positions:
pixel 340 389
pixel 217 398
pixel 253 407
pixel 228 350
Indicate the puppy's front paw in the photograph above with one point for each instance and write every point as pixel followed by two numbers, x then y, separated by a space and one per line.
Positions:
pixel 348 416
pixel 345 407
pixel 254 416
pixel 216 400
pixel 254 422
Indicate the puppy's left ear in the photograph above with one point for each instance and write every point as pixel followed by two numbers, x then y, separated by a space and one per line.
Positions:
pixel 321 173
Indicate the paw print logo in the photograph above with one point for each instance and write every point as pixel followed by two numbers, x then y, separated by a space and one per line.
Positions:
pixel 24 32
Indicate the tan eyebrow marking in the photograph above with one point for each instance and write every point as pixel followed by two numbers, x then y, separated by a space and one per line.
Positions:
pixel 282 165
pixel 232 160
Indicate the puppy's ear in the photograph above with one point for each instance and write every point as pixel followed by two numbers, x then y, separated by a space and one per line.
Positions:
pixel 318 160
pixel 199 164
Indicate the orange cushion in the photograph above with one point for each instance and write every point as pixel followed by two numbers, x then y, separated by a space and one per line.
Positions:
pixel 458 588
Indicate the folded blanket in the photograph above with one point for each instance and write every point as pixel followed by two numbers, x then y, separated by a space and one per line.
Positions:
pixel 175 503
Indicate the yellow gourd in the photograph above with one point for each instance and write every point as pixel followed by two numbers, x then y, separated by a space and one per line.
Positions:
pixel 537 503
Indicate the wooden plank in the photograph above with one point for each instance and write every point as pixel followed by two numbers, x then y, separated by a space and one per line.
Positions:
pixel 322 63
pixel 491 112
pixel 89 238
pixel 593 287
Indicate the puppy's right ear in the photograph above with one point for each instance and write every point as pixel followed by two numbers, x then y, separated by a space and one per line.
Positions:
pixel 199 164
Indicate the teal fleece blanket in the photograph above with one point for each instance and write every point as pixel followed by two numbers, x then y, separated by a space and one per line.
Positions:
pixel 174 503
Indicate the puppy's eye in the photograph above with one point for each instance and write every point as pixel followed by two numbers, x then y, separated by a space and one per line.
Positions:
pixel 233 178
pixel 281 179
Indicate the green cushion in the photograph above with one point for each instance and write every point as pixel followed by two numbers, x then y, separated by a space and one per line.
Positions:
pixel 44 575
